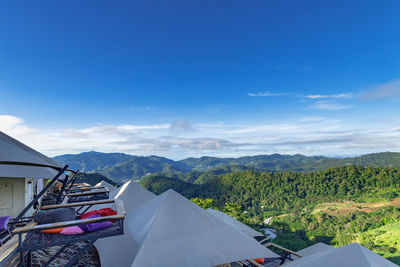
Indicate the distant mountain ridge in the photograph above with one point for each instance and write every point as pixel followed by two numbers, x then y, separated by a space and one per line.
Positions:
pixel 121 167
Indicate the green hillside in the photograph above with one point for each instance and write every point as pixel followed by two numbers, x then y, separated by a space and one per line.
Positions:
pixel 92 161
pixel 159 184
pixel 93 178
pixel 384 240
pixel 138 167
pixel 287 191
pixel 337 206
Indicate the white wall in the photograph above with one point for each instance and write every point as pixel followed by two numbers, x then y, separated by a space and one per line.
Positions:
pixel 12 196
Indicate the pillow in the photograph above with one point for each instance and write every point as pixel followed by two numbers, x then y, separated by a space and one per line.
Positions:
pixel 72 230
pixel 261 260
pixel 54 215
pixel 53 231
pixel 89 214
pixel 4 222
pixel 102 212
pixel 91 227
pixel 106 212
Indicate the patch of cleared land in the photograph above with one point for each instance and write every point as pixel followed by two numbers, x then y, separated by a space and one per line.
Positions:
pixel 343 208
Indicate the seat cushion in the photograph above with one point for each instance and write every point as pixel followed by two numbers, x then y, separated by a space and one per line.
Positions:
pixel 72 230
pixel 91 227
pixel 53 231
pixel 3 222
pixel 54 215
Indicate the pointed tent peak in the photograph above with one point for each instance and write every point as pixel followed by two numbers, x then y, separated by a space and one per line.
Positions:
pixel 170 223
pixel 173 198
pixel 19 160
pixel 108 186
pixel 373 258
pixel 132 194
pixel 172 194
pixel 313 249
pixel 234 223
pixel 352 255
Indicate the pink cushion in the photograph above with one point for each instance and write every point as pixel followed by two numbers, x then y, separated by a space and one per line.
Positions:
pixel 72 230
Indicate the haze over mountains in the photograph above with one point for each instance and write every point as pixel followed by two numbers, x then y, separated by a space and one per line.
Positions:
pixel 121 167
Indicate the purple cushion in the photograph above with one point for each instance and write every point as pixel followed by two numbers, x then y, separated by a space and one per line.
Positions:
pixel 90 227
pixel 4 222
pixel 72 230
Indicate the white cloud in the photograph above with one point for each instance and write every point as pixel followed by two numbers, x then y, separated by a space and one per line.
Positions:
pixel 267 93
pixel 385 90
pixel 308 135
pixel 181 125
pixel 14 125
pixel 309 96
pixel 324 105
pixel 335 96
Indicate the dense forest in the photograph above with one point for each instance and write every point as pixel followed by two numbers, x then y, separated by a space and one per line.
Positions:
pixel 269 193
pixel 293 200
pixel 93 178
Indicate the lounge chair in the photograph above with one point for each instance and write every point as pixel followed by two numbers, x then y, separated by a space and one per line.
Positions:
pixel 31 237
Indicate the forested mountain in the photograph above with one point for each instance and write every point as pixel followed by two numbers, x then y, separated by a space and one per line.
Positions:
pixel 137 167
pixel 287 191
pixel 93 178
pixel 92 161
pixel 260 162
pixel 121 167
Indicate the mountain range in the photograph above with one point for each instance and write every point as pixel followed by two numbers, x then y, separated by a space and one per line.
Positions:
pixel 121 167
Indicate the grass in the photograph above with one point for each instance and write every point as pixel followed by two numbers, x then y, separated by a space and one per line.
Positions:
pixel 384 240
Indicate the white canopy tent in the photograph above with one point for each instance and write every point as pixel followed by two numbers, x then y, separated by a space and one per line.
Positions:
pixel 234 223
pixel 106 185
pixel 22 170
pixel 352 255
pixel 132 194
pixel 117 250
pixel 311 250
pixel 171 230
pixel 17 160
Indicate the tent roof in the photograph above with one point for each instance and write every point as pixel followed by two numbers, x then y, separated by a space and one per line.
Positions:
pixel 352 255
pixel 117 250
pixel 132 194
pixel 311 250
pixel 171 230
pixel 234 223
pixel 19 160
pixel 106 185
pixel 316 248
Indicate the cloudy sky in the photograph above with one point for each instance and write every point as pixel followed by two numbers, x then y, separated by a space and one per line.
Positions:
pixel 193 78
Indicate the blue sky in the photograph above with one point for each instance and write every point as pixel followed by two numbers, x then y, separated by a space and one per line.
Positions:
pixel 193 78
